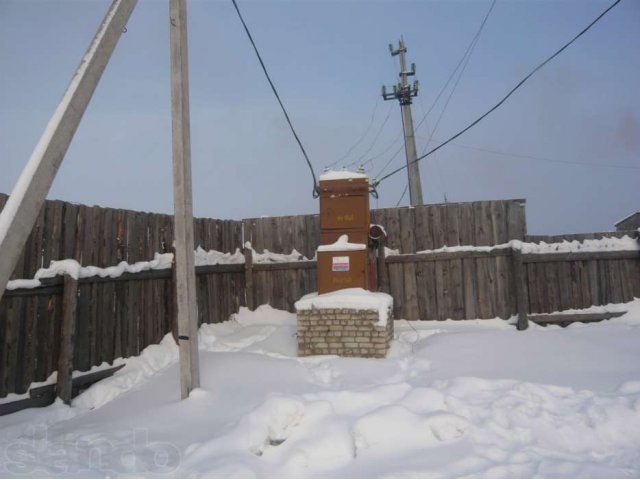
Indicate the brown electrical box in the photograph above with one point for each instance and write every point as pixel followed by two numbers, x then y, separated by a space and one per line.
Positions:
pixel 344 210
pixel 343 269
pixel 344 205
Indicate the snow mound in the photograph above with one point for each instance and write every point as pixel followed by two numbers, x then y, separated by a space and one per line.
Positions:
pixel 395 427
pixel 456 399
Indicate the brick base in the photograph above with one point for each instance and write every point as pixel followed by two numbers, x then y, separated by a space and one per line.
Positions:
pixel 344 332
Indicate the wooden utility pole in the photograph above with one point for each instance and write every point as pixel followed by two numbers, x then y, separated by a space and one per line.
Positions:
pixel 403 92
pixel 186 300
pixel 23 207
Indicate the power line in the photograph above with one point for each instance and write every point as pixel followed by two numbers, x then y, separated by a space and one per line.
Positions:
pixel 275 92
pixel 546 159
pixel 404 92
pixel 375 140
pixel 464 61
pixel 482 117
pixel 468 55
pixel 362 137
pixel 404 192
pixel 390 160
pixel 466 52
pixel 393 142
pixel 385 150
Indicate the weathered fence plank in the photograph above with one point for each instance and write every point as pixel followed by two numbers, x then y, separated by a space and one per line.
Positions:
pixel 570 237
pixel 521 290
pixel 574 317
pixel 429 230
pixel 121 316
pixel 65 357
pixel 104 236
pixel 248 278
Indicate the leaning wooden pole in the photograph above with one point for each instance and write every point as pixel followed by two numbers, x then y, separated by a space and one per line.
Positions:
pixel 21 211
pixel 187 308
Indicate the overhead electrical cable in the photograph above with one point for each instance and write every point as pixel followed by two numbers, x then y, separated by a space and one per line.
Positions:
pixel 362 137
pixel 462 66
pixel 393 142
pixel 404 192
pixel 387 148
pixel 468 53
pixel 383 151
pixel 466 59
pixel 545 159
pixel 375 140
pixel 499 104
pixel 462 59
pixel 390 160
pixel 275 92
pixel 463 62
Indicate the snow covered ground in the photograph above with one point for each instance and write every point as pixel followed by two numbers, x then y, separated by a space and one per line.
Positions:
pixel 453 399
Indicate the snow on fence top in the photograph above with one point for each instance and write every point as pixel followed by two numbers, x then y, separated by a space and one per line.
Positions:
pixel 160 261
pixel 213 257
pixel 351 298
pixel 606 244
pixel 341 175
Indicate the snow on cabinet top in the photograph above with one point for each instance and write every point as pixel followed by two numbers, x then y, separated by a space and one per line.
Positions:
pixel 352 298
pixel 341 245
pixel 342 175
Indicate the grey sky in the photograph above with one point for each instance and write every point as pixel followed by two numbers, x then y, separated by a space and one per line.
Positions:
pixel 328 60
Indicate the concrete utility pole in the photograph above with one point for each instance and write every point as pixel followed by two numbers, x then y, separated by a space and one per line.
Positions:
pixel 403 92
pixel 23 207
pixel 187 306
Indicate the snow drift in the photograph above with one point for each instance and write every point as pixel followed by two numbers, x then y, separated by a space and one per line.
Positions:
pixel 453 399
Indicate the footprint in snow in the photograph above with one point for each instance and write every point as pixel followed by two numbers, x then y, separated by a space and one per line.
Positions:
pixel 323 374
pixel 271 424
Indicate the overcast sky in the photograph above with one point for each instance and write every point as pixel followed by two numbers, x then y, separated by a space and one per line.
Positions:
pixel 329 60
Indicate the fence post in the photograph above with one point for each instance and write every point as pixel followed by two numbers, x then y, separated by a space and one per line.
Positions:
pixel 383 273
pixel 522 291
pixel 248 276
pixel 65 357
pixel 174 298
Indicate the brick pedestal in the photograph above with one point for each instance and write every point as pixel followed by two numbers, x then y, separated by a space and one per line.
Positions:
pixel 344 332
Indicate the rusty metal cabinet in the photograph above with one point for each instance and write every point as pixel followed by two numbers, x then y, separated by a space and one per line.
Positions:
pixel 342 269
pixel 344 210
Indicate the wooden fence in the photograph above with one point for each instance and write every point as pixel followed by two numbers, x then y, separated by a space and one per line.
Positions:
pixel 570 237
pixel 477 284
pixel 106 236
pixel 409 229
pixel 119 317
